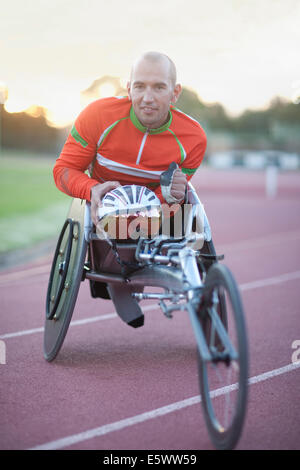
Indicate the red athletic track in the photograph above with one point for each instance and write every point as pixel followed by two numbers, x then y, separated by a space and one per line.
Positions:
pixel 108 372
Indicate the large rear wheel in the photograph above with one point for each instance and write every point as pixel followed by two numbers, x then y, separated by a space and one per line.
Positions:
pixel 64 281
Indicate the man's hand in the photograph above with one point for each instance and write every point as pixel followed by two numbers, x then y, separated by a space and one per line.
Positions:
pixel 97 193
pixel 173 184
pixel 178 185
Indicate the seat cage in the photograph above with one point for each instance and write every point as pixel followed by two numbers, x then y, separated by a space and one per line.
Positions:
pixel 108 256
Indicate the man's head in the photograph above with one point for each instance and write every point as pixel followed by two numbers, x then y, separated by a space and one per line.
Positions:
pixel 152 88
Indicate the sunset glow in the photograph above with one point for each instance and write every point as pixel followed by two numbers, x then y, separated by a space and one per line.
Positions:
pixel 106 90
pixel 241 55
pixel 16 105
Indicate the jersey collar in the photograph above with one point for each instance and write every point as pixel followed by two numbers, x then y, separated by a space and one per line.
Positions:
pixel 144 129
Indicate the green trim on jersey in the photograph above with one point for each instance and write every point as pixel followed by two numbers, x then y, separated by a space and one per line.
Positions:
pixel 144 129
pixel 78 138
pixel 189 171
pixel 182 151
pixel 107 131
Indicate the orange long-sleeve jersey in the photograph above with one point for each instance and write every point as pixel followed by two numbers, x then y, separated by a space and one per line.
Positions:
pixel 108 139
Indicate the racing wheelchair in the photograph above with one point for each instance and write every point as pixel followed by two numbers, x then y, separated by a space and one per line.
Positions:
pixel 184 266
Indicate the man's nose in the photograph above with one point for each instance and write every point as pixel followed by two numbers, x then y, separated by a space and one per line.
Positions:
pixel 148 95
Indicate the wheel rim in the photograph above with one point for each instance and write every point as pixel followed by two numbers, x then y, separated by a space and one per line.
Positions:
pixel 59 270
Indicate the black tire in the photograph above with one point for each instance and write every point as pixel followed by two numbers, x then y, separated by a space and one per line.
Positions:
pixel 64 282
pixel 215 378
pixel 59 269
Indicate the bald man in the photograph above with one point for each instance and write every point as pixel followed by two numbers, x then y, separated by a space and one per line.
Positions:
pixel 133 140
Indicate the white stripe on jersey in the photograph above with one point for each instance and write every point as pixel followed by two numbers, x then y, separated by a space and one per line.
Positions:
pixel 128 170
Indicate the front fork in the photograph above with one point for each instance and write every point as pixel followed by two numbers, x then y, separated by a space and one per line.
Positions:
pixel 194 282
pixel 191 275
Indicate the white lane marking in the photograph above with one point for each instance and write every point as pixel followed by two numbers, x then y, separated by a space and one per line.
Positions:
pixel 268 240
pixel 84 321
pixel 124 423
pixel 243 287
pixel 22 333
pixel 15 276
pixel 244 244
pixel 270 281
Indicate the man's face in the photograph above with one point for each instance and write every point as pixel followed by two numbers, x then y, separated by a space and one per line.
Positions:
pixel 151 92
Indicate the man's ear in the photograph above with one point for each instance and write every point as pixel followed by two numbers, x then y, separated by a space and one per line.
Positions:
pixel 128 90
pixel 176 92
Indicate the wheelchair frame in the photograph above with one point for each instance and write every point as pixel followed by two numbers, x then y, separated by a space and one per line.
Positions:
pixel 186 268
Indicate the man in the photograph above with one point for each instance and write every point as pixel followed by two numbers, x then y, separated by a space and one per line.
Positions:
pixel 133 140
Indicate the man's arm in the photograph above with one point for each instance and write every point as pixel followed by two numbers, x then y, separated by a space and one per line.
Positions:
pixel 76 157
pixel 78 154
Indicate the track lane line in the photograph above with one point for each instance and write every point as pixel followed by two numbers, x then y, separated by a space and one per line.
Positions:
pixel 24 273
pixel 259 242
pixel 271 281
pixel 152 414
pixel 243 287
pixel 84 321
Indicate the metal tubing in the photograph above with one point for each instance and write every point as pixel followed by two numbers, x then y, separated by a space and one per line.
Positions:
pixel 222 333
pixel 189 267
pixel 165 277
pixel 105 277
pixel 198 331
pixel 157 258
pixel 151 296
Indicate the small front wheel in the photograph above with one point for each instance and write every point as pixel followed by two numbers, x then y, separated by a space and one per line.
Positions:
pixel 224 379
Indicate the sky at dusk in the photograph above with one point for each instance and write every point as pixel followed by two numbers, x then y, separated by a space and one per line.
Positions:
pixel 240 53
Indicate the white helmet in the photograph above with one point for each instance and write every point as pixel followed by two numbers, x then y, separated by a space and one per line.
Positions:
pixel 130 211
